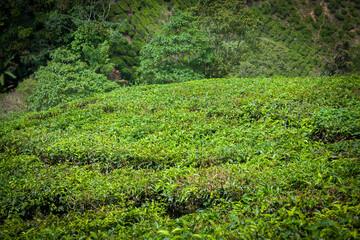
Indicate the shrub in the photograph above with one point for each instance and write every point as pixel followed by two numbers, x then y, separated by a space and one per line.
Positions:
pixel 333 6
pixel 307 33
pixel 126 73
pixel 339 17
pixel 27 86
pixel 355 13
pixel 210 159
pixel 348 26
pixel 98 58
pixel 65 78
pixel 324 33
pixel 118 62
pixel 86 35
pixel 337 124
pixel 351 34
pixel 318 10
pixel 121 48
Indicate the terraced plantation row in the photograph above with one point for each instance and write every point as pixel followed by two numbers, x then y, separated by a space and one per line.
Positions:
pixel 210 159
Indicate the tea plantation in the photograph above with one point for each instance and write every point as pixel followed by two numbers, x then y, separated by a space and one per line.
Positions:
pixel 263 158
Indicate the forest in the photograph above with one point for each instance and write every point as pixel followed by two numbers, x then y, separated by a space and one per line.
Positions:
pixel 179 119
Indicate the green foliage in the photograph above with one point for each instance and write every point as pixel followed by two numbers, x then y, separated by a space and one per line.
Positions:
pixel 118 62
pixel 348 26
pixel 339 17
pixel 267 59
pixel 98 58
pixel 333 6
pixel 65 78
pixel 5 74
pixel 351 34
pixel 212 159
pixel 337 124
pixel 27 86
pixel 225 24
pixel 341 61
pixel 329 26
pixel 280 8
pixel 57 26
pixel 31 30
pixel 126 73
pixel 225 19
pixel 34 29
pixel 180 53
pixel 273 48
pixel 318 10
pixel 86 35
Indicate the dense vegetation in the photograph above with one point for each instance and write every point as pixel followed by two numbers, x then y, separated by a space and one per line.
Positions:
pixel 239 38
pixel 251 131
pixel 209 159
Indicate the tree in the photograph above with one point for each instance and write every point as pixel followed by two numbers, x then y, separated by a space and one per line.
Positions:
pixel 180 53
pixel 66 78
pixel 225 23
pixel 31 29
pixel 223 20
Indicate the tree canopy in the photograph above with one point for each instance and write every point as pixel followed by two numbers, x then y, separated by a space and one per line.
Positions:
pixel 179 53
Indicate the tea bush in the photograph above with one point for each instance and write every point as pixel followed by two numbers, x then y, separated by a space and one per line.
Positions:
pixel 337 124
pixel 209 159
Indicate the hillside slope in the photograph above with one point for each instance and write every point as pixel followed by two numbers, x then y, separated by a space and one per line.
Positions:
pixel 220 158
pixel 297 38
pixel 290 38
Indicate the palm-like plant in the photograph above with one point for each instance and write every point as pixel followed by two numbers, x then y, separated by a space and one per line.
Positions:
pixel 4 71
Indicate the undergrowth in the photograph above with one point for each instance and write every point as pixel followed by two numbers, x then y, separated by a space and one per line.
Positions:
pixel 211 159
